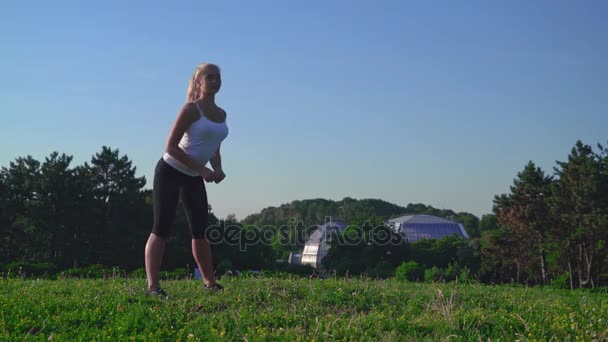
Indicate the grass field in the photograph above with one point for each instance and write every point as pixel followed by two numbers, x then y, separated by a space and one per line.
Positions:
pixel 264 308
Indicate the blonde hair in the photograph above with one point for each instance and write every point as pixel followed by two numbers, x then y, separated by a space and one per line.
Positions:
pixel 194 87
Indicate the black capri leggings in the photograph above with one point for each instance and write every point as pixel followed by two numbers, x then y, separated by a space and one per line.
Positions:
pixel 170 185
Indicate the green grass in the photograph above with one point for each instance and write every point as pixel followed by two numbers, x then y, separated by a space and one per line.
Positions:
pixel 265 309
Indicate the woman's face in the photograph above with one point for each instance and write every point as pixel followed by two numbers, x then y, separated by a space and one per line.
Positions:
pixel 210 80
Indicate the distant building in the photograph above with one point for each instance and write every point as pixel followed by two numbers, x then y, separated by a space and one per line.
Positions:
pixel 411 228
pixel 416 227
pixel 295 258
pixel 316 246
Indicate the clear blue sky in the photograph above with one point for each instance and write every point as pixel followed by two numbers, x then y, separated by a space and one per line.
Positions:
pixel 435 102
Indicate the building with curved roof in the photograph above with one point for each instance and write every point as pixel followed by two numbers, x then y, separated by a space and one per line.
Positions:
pixel 316 246
pixel 416 227
pixel 411 227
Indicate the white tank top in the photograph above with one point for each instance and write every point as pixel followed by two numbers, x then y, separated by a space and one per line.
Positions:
pixel 200 142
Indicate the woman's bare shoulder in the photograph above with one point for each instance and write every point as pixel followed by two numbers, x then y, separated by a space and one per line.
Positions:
pixel 223 112
pixel 190 110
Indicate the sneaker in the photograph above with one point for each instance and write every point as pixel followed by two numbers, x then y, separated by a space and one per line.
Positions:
pixel 216 287
pixel 158 292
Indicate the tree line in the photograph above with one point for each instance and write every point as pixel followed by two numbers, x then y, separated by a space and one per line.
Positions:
pixel 548 228
pixel 62 217
pixel 553 226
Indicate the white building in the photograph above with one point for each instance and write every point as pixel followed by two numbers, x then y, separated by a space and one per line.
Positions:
pixel 316 246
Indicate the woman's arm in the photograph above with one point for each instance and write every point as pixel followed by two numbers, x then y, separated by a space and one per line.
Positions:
pixel 216 160
pixel 184 119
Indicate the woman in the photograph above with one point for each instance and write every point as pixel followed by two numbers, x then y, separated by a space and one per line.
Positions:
pixel 194 140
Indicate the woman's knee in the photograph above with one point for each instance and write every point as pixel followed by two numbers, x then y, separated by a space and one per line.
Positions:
pixel 162 231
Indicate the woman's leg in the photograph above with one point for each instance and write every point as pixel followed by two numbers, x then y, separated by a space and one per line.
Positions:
pixel 165 196
pixel 201 250
pixel 155 248
pixel 194 200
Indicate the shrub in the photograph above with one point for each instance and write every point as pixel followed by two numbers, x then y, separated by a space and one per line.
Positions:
pixel 383 269
pixel 178 273
pixel 433 274
pixel 466 276
pixel 138 273
pixel 223 267
pixel 299 270
pixel 28 269
pixel 411 271
pixel 452 272
pixel 562 281
pixel 94 271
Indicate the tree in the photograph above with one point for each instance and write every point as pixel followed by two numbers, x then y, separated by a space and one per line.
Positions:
pixel 488 223
pixel 498 250
pixel 116 218
pixel 26 240
pixel 4 224
pixel 57 206
pixel 444 251
pixel 361 248
pixel 579 204
pixel 411 271
pixel 470 223
pixel 602 248
pixel 525 214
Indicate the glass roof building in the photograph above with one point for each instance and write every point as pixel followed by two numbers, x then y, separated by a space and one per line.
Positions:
pixel 316 246
pixel 411 227
pixel 416 227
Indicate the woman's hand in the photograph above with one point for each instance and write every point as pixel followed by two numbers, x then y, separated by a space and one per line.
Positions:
pixel 205 172
pixel 219 175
